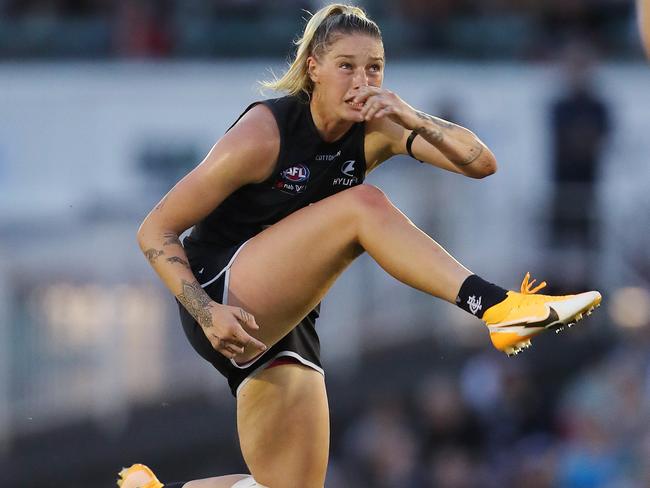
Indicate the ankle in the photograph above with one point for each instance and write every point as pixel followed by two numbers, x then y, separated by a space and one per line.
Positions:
pixel 476 295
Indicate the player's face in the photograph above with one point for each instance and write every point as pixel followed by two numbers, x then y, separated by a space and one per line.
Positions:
pixel 351 62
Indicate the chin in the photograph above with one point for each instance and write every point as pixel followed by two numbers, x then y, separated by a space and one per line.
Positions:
pixel 351 114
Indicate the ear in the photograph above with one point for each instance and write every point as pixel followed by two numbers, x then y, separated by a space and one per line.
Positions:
pixel 313 69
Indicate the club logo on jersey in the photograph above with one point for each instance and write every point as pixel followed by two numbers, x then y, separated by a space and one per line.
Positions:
pixel 293 180
pixel 348 168
pixel 350 179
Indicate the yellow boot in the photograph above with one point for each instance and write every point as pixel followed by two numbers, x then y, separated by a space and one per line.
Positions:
pixel 521 316
pixel 138 476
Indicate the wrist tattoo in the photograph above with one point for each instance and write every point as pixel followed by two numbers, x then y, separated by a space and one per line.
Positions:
pixel 153 254
pixel 197 302
pixel 176 259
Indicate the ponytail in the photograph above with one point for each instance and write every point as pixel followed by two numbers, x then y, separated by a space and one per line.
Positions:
pixel 318 35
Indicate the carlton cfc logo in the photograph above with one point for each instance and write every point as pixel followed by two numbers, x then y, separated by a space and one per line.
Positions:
pixel 296 174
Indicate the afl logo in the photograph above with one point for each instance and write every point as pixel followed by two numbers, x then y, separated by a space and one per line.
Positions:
pixel 296 174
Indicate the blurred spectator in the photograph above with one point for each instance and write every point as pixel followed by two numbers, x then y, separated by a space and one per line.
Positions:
pixel 446 421
pixel 453 468
pixel 643 16
pixel 468 28
pixel 61 8
pixel 580 123
pixel 143 29
pixel 604 419
pixel 428 22
pixel 381 448
pixel 534 459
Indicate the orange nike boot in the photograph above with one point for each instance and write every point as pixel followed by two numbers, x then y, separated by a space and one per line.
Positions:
pixel 138 476
pixel 521 316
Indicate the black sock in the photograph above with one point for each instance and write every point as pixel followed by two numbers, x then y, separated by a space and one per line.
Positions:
pixel 477 295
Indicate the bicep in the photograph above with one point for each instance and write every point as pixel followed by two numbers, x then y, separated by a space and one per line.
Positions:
pixel 246 154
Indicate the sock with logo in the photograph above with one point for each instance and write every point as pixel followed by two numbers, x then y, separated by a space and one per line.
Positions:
pixel 477 295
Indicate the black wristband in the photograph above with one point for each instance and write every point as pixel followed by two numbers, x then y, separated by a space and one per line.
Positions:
pixel 409 143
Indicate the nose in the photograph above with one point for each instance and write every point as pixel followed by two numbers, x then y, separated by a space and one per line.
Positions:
pixel 360 78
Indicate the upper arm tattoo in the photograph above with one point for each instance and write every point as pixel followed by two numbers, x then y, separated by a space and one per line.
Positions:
pixel 176 259
pixel 161 204
pixel 171 239
pixel 153 254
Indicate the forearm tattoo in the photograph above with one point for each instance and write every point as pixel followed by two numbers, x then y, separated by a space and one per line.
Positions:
pixel 431 135
pixel 197 302
pixel 176 259
pixel 435 136
pixel 439 122
pixel 171 239
pixel 473 154
pixel 153 254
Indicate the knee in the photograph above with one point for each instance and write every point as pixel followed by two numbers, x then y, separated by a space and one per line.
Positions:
pixel 368 198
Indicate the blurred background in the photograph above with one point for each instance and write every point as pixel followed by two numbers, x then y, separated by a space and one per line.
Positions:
pixel 104 105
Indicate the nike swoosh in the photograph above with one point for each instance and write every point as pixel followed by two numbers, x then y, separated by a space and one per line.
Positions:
pixel 552 318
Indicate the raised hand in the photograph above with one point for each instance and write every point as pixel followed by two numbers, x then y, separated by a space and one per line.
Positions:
pixel 380 102
pixel 228 332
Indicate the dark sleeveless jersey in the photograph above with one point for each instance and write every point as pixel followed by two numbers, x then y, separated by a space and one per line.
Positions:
pixel 308 169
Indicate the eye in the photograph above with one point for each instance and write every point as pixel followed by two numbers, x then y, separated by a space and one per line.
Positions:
pixel 376 68
pixel 345 65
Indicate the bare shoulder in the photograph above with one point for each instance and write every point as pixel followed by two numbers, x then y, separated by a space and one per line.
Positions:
pixel 253 143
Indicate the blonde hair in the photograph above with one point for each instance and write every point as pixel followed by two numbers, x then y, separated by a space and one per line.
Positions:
pixel 335 18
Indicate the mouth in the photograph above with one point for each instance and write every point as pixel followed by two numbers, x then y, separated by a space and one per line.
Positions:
pixel 355 106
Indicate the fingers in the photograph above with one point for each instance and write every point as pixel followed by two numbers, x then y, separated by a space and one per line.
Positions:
pixel 383 112
pixel 374 108
pixel 362 93
pixel 377 108
pixel 229 350
pixel 246 319
pixel 229 335
pixel 251 341
pixel 235 344
pixel 234 349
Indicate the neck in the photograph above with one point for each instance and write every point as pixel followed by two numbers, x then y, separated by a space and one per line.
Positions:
pixel 329 127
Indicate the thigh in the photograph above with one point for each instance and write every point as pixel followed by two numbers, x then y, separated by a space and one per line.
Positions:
pixel 283 424
pixel 285 271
